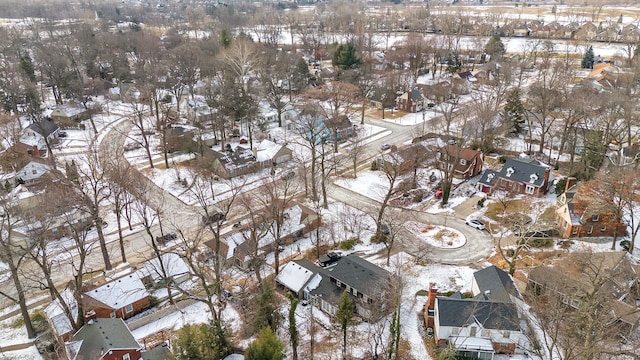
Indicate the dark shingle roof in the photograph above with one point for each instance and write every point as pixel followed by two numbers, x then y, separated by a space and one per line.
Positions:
pixel 491 315
pixel 530 172
pixel 102 335
pixel 48 126
pixel 495 284
pixel 360 274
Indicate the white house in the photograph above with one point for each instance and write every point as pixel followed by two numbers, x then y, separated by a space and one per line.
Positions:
pixel 32 172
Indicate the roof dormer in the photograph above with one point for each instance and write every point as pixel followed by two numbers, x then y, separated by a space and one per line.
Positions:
pixel 510 171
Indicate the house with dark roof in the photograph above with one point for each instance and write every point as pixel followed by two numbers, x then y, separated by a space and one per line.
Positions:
pixel 367 284
pixel 478 327
pixel 463 163
pixel 232 162
pixel 518 176
pixel 103 339
pixel 119 298
pixel 579 215
pixel 410 101
pixel 35 137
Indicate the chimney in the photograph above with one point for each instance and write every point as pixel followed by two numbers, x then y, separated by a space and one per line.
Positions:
pixel 89 316
pixel 570 182
pixel 433 292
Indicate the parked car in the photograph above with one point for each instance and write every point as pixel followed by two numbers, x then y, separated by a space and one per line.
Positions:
pixel 212 218
pixel 288 175
pixel 62 134
pixel 163 239
pixel 385 146
pixel 329 259
pixel 476 224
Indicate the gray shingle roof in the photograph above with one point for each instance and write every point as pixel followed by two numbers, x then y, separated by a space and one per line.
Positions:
pixel 360 274
pixel 529 172
pixel 491 315
pixel 101 336
pixel 48 126
pixel 495 284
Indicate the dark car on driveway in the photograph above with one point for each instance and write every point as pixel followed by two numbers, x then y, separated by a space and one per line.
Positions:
pixel 212 218
pixel 329 259
pixel 164 239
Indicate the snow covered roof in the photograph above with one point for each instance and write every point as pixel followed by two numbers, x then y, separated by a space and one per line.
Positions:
pixel 56 315
pixel 294 276
pixel 173 265
pixel 267 150
pixel 120 292
pixel 68 110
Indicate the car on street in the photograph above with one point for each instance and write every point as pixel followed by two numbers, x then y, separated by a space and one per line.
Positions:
pixel 288 175
pixel 164 239
pixel 385 146
pixel 476 224
pixel 212 218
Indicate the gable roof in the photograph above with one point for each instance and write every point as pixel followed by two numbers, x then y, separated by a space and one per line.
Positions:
pixel 235 159
pixel 523 171
pixel 495 284
pixel 295 275
pixel 98 337
pixel 120 292
pixel 488 314
pixel 27 172
pixel 360 274
pixel 55 312
pixel 44 127
pixel 267 150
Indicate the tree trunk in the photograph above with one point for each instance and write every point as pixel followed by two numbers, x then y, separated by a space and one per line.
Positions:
pixel 97 221
pixel 22 302
pixel 120 237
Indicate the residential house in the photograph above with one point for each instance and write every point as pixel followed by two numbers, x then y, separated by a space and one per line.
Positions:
pixel 121 298
pixel 408 158
pixel 586 31
pixel 462 163
pixel 578 277
pixel 463 82
pixel 268 153
pixel 231 163
pixel 241 246
pixel 367 284
pixel 33 173
pixel 154 272
pixel 69 114
pixel 103 339
pixel 579 215
pixel 410 101
pixel 478 327
pixel 197 107
pixel 34 138
pixel 518 176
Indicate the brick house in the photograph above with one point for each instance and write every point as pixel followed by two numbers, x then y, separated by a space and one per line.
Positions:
pixel 119 298
pixel 411 101
pixel 518 176
pixel 103 339
pixel 465 163
pixel 578 215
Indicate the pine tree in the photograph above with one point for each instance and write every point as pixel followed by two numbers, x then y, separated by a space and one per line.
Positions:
pixel 346 57
pixel 514 111
pixel 344 316
pixel 293 328
pixel 266 347
pixel 588 59
pixel 453 63
pixel 267 315
pixel 494 47
pixel 198 342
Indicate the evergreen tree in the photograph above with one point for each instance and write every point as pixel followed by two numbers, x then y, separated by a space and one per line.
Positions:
pixel 453 63
pixel 346 57
pixel 344 316
pixel 266 315
pixel 266 347
pixel 514 111
pixel 26 64
pixel 494 47
pixel 225 38
pixel 198 342
pixel 293 328
pixel 588 59
pixel 300 75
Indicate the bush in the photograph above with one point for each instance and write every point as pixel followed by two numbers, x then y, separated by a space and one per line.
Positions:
pixel 18 322
pixel 422 292
pixel 428 228
pixel 541 242
pixel 565 244
pixel 374 165
pixel 378 238
pixel 349 243
pixel 625 244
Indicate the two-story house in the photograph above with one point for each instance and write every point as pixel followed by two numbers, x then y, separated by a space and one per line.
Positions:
pixel 518 176
pixel 462 163
pixel 368 285
pixel 579 215
pixel 35 137
pixel 478 327
pixel 410 101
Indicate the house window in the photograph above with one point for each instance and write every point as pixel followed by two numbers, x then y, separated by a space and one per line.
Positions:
pixel 506 334
pixel 473 330
pixel 126 357
pixel 463 162
pixel 338 283
pixel 34 172
pixel 455 331
pixel 530 189
pixel 590 230
pixel 486 332
pixel 575 231
pixel 603 229
pixel 575 303
pixel 128 308
pixel 365 298
pixel 595 218
pixel 113 314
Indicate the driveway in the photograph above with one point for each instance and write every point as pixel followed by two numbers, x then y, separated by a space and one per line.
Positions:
pixel 478 245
